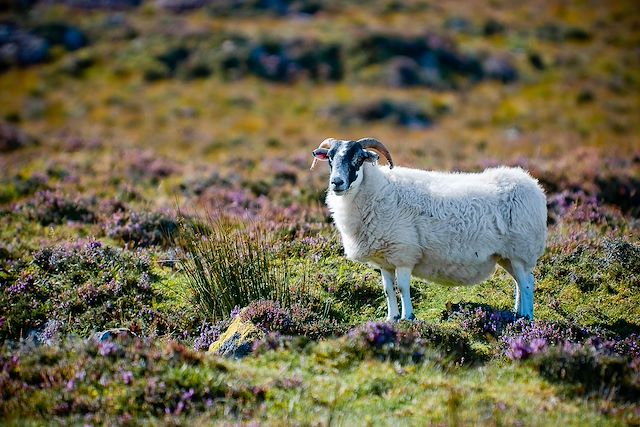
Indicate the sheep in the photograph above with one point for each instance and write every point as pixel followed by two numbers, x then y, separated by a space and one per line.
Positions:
pixel 447 228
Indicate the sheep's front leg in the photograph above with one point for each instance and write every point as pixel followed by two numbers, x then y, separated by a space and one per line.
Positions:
pixel 403 275
pixel 390 294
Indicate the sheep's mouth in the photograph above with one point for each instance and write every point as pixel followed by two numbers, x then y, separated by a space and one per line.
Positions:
pixel 340 192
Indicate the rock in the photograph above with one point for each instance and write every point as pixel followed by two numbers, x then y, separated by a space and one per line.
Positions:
pixel 113 333
pixel 47 334
pixel 237 341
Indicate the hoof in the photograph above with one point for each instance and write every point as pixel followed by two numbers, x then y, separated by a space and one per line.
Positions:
pixel 393 319
pixel 411 318
pixel 526 316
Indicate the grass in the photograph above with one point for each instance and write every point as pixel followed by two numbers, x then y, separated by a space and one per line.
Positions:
pixel 229 265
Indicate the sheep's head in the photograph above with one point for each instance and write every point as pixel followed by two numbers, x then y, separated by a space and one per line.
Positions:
pixel 346 158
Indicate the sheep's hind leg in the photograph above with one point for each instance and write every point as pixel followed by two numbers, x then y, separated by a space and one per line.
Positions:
pixel 390 294
pixel 403 275
pixel 525 284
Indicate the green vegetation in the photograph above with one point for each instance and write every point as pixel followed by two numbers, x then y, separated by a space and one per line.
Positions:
pixel 110 298
pixel 229 266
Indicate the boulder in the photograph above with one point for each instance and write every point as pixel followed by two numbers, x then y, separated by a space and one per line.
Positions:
pixel 237 341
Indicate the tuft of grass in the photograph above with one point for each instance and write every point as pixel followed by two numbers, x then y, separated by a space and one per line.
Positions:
pixel 229 264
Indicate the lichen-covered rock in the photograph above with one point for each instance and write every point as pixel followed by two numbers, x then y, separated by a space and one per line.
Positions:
pixel 238 339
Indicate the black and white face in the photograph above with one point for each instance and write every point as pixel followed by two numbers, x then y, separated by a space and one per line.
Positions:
pixel 345 162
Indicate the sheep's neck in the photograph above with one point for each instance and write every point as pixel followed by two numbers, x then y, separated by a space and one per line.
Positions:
pixel 351 211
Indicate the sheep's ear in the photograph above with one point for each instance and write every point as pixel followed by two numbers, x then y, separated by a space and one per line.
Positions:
pixel 319 154
pixel 370 156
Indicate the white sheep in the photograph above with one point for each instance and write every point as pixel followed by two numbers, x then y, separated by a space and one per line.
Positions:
pixel 448 228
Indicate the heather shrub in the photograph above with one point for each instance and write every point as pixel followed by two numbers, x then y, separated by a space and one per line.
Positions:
pixel 479 319
pixel 622 256
pixel 141 228
pixel 209 333
pixel 524 338
pixel 260 8
pixel 399 113
pixel 412 343
pixel 297 320
pixel 385 341
pixel 145 165
pixel 270 316
pixel 452 342
pixel 56 207
pixel 12 138
pixel 86 286
pixel 272 341
pixel 316 319
pixel 607 265
pixel 117 381
pixel 621 189
pixel 587 369
pixel 315 246
pixel 21 185
pixel 579 207
pixel 428 59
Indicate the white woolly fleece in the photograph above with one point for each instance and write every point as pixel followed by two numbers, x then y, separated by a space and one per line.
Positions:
pixel 449 228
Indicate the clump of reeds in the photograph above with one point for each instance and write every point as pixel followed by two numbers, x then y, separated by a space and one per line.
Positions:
pixel 230 264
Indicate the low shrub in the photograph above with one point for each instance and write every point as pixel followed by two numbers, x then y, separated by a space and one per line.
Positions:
pixel 524 338
pixel 141 229
pixel 86 286
pixel 145 165
pixel 298 320
pixel 21 185
pixel 209 333
pixel 428 60
pixel 398 113
pixel 412 342
pixel 57 207
pixel 479 319
pixel 589 369
pixel 12 138
pixel 117 381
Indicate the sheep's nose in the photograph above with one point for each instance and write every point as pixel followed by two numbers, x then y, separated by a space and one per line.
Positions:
pixel 337 182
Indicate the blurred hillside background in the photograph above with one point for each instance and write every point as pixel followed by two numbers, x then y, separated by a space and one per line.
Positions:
pixel 245 84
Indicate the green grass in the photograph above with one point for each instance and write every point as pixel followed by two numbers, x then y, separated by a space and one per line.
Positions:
pixel 229 267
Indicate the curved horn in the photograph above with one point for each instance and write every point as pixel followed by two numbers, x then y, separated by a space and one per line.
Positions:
pixel 374 144
pixel 327 143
